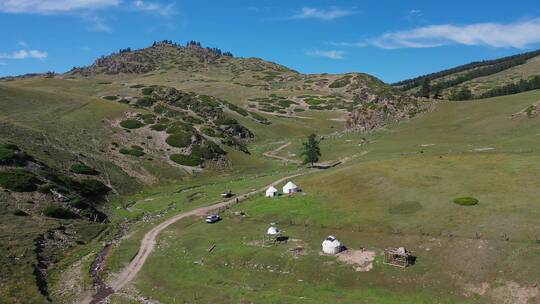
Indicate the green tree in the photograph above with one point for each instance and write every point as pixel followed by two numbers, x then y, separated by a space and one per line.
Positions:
pixel 426 88
pixel 311 150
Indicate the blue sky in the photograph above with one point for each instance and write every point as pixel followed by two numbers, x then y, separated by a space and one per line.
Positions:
pixel 392 40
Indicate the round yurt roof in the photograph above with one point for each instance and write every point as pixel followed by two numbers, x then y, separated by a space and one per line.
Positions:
pixel 331 242
pixel 288 186
pixel 272 230
pixel 271 189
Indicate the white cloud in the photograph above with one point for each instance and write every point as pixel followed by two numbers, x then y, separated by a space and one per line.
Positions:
pixel 23 44
pixel 327 15
pixel 52 6
pixel 2 63
pixel 521 35
pixel 350 44
pixel 96 24
pixel 332 54
pixel 413 14
pixel 24 54
pixel 162 9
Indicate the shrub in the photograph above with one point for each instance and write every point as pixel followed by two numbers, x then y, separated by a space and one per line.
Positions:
pixel 10 147
pixel 20 212
pixel 145 101
pixel 79 204
pixel 208 131
pixel 131 124
pixel 59 212
pixel 18 180
pixel 11 155
pixel 158 127
pixel 340 83
pixel 179 127
pixel 46 188
pixel 132 152
pixel 112 97
pixel 83 169
pixel 179 140
pixel 466 201
pixel 147 91
pixel 186 160
pixel 92 187
pixel 123 100
pixel 210 151
pixel 137 86
pixel 148 118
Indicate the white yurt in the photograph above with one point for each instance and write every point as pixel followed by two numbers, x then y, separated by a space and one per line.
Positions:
pixel 290 187
pixel 271 192
pixel 331 245
pixel 273 230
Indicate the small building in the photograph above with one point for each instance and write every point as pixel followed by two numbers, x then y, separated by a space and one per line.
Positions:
pixel 331 245
pixel 273 230
pixel 271 192
pixel 273 236
pixel 290 188
pixel 399 257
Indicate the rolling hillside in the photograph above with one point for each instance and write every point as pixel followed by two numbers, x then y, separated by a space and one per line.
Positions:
pixel 93 159
pixel 479 79
pixel 139 119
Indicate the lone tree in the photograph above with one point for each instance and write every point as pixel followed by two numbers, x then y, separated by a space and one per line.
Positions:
pixel 425 90
pixel 311 151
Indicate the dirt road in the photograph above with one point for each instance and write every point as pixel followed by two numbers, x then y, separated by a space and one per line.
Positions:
pixel 272 154
pixel 149 240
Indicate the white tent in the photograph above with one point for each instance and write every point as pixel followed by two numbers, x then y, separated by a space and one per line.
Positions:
pixel 271 192
pixel 273 230
pixel 290 187
pixel 331 245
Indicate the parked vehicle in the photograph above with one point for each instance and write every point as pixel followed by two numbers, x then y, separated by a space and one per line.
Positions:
pixel 212 218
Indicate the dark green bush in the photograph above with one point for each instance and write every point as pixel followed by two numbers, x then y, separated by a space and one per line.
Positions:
pixel 131 124
pixel 123 100
pixel 20 212
pixel 92 187
pixel 208 131
pixel 10 147
pixel 83 169
pixel 18 180
pixel 179 140
pixel 132 152
pixel 180 127
pixel 187 160
pixel 466 201
pixel 112 97
pixel 148 118
pixel 79 204
pixel 158 127
pixel 12 156
pixel 145 101
pixel 137 86
pixel 147 91
pixel 59 212
pixel 46 188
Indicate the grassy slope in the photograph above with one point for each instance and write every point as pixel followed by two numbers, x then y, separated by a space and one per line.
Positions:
pixel 482 84
pixel 393 196
pixel 514 74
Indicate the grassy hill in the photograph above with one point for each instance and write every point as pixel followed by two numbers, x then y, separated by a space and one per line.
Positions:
pixel 397 188
pixel 478 79
pixel 138 120
pixel 104 153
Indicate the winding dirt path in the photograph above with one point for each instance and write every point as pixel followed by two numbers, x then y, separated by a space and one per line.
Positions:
pixel 272 154
pixel 149 240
